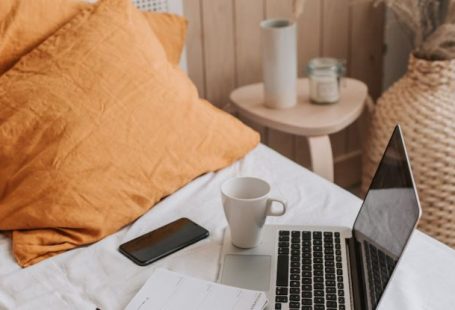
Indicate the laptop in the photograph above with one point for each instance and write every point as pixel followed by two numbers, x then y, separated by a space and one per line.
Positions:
pixel 301 267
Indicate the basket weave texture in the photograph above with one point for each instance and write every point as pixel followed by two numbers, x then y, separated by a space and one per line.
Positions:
pixel 423 103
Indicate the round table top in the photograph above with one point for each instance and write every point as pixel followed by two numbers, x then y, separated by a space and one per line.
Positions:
pixel 305 118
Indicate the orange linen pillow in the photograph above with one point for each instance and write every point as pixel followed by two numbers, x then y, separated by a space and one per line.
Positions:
pixel 24 24
pixel 96 127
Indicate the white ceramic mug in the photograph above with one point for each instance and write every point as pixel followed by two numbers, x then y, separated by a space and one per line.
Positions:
pixel 246 204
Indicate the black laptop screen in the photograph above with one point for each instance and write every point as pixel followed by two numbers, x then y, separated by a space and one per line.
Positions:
pixel 385 221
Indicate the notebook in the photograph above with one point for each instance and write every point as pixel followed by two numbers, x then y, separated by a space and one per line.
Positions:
pixel 167 290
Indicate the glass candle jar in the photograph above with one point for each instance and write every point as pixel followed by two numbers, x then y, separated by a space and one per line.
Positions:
pixel 324 76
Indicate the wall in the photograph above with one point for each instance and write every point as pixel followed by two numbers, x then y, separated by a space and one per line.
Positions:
pixel 224 52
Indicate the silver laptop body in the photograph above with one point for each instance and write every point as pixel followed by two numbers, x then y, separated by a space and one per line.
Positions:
pixel 302 267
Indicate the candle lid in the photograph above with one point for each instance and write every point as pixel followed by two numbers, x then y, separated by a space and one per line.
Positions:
pixel 326 64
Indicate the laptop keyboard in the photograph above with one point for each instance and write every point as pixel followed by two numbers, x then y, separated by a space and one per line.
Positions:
pixel 380 267
pixel 309 271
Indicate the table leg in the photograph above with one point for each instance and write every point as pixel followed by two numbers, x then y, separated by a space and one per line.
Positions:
pixel 321 156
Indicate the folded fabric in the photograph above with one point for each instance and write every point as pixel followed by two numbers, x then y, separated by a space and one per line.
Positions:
pixel 24 24
pixel 96 127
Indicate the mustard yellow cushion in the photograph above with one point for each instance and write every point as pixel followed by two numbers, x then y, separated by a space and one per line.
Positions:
pixel 24 24
pixel 96 127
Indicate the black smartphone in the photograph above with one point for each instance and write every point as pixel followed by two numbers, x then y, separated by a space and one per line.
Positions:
pixel 163 241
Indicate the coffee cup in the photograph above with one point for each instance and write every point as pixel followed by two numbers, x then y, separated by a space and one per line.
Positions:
pixel 247 203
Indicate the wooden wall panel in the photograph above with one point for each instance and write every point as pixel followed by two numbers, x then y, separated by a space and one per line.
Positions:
pixel 218 44
pixel 194 45
pixel 224 52
pixel 248 15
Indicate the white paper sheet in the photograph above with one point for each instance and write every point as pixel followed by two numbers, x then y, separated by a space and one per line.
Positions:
pixel 167 290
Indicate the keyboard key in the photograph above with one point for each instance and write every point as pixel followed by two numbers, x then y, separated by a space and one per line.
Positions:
pixel 295 264
pixel 306 261
pixel 317 248
pixel 307 301
pixel 317 242
pixel 295 277
pixel 337 246
pixel 317 235
pixel 295 258
pixel 328 251
pixel 340 278
pixel 277 306
pixel 331 296
pixel 295 240
pixel 318 279
pixel 340 285
pixel 306 235
pixel 318 267
pixel 330 290
pixel 284 233
pixel 319 300
pixel 339 265
pixel 306 274
pixel 318 273
pixel 331 303
pixel 294 304
pixel 282 270
pixel 341 300
pixel 330 276
pixel 283 251
pixel 281 299
pixel 307 308
pixel 337 240
pixel 294 290
pixel 306 267
pixel 318 286
pixel 307 281
pixel 281 291
pixel 306 243
pixel 295 246
pixel 295 234
pixel 306 255
pixel 337 234
pixel 318 260
pixel 339 272
pixel 306 287
pixel 328 283
pixel 338 252
pixel 295 283
pixel 306 248
pixel 329 270
pixel 329 257
pixel 340 293
pixel 295 270
pixel 295 252
pixel 317 254
pixel 307 294
pixel 283 244
pixel 338 258
pixel 294 298
pixel 319 293
pixel 319 307
pixel 341 307
pixel 328 234
pixel 329 263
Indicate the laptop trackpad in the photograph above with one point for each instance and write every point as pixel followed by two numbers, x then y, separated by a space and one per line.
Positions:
pixel 247 271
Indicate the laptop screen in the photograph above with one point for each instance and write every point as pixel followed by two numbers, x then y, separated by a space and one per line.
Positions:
pixel 386 220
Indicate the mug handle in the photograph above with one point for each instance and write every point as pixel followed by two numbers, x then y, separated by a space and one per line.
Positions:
pixel 270 212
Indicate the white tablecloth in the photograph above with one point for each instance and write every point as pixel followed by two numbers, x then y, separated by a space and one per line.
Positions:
pixel 99 276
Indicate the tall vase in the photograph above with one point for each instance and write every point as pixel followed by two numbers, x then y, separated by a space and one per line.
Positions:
pixel 279 63
pixel 423 103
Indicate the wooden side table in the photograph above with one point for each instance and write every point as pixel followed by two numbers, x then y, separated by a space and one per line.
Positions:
pixel 315 122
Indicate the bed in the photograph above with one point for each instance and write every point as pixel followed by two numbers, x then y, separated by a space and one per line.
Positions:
pixel 99 276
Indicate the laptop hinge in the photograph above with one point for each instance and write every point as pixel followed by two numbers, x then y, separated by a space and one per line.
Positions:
pixel 357 299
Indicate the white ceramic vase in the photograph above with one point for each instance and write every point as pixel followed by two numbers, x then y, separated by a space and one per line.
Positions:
pixel 279 63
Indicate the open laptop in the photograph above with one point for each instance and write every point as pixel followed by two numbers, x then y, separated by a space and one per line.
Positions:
pixel 302 267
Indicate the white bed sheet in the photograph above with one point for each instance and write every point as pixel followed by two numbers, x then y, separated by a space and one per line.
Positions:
pixel 99 276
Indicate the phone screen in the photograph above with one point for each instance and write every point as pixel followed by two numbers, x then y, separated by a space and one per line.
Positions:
pixel 163 241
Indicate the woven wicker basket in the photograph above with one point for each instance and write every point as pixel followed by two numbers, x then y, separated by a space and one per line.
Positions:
pixel 423 103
